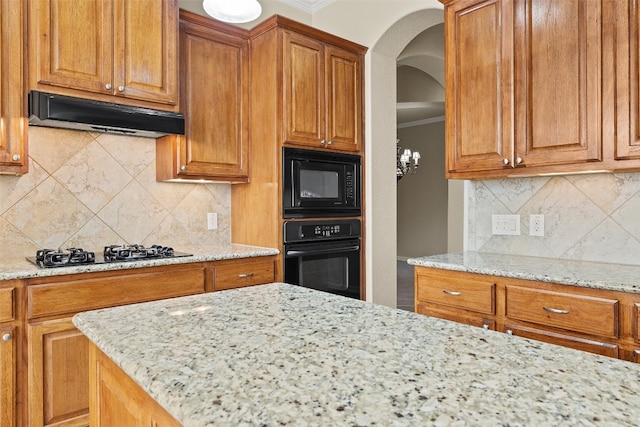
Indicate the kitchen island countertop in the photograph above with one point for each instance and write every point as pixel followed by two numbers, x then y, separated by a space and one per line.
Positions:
pixel 20 268
pixel 588 274
pixel 279 354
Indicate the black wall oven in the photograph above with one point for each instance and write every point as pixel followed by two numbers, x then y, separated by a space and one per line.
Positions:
pixel 323 255
pixel 320 184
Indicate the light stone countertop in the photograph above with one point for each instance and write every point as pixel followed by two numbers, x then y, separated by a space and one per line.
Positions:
pixel 589 274
pixel 280 354
pixel 20 268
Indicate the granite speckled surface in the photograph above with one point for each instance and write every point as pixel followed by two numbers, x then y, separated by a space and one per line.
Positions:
pixel 20 268
pixel 599 275
pixel 279 354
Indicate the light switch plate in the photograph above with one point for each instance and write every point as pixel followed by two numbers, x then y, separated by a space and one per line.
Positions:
pixel 505 225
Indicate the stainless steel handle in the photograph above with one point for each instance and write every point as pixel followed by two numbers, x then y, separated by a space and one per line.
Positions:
pixel 518 160
pixel 509 332
pixel 16 157
pixel 108 86
pixel 6 337
pixel 183 168
pixel 121 88
pixel 454 293
pixel 245 275
pixel 556 310
pixel 505 161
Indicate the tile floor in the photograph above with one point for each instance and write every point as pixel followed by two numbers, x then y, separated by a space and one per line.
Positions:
pixel 405 286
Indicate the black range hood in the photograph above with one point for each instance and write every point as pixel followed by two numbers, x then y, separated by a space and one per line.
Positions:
pixel 59 111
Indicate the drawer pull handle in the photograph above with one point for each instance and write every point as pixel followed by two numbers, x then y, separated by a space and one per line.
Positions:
pixel 245 275
pixel 454 293
pixel 556 310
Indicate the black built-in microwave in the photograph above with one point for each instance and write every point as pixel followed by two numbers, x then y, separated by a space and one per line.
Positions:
pixel 320 184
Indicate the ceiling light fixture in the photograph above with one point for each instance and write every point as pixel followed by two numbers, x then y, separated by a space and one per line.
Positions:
pixel 233 11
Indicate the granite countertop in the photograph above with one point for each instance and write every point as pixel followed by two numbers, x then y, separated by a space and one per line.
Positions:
pixel 589 274
pixel 279 354
pixel 20 268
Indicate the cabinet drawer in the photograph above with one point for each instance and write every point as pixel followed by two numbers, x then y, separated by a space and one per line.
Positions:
pixel 467 319
pixel 577 343
pixel 460 291
pixel 237 275
pixel 88 294
pixel 7 304
pixel 580 313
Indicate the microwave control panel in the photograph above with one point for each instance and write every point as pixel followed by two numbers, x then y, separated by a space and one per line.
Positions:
pixel 296 231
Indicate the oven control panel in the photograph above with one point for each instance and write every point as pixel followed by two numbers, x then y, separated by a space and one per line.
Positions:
pixel 297 231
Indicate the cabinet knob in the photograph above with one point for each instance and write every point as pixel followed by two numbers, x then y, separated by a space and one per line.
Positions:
pixel 6 337
pixel 518 160
pixel 505 161
pixel 16 157
pixel 108 86
pixel 485 326
pixel 183 168
pixel 323 142
pixel 509 332
pixel 121 88
pixel 330 143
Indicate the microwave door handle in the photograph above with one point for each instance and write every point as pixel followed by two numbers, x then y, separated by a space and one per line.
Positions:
pixel 322 251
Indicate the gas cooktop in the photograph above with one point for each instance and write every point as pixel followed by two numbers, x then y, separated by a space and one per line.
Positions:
pixel 50 258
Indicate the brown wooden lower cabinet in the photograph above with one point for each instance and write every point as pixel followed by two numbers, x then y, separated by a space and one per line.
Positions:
pixel 594 320
pixel 8 376
pixel 56 362
pixel 117 401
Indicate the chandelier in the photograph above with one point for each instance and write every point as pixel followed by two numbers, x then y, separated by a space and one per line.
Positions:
pixel 404 160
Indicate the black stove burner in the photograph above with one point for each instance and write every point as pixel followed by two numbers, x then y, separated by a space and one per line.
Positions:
pixel 47 258
pixel 134 252
pixel 72 256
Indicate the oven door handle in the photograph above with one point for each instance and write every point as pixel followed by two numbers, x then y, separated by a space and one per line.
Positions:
pixel 322 251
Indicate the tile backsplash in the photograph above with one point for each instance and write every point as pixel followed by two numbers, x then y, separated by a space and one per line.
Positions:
pixel 89 189
pixel 592 217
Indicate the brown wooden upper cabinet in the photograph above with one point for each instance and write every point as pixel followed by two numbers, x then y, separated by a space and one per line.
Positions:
pixel 122 51
pixel 322 99
pixel 214 80
pixel 13 132
pixel 524 86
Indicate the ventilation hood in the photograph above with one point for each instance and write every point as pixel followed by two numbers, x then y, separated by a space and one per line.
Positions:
pixel 58 111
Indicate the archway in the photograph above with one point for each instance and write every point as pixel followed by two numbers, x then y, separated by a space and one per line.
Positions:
pixel 380 153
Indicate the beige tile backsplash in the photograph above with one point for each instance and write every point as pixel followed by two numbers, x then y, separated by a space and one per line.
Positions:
pixel 87 190
pixel 592 217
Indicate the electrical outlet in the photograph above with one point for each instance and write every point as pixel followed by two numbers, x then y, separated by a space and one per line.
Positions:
pixel 506 225
pixel 536 225
pixel 212 221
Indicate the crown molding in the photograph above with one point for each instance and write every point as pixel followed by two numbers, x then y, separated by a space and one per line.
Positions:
pixel 309 6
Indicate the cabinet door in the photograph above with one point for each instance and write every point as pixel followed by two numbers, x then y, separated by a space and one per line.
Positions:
pixel 344 99
pixel 13 133
pixel 58 374
pixel 146 37
pixel 558 81
pixel 8 377
pixel 479 128
pixel 627 143
pixel 71 44
pixel 215 99
pixel 303 98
